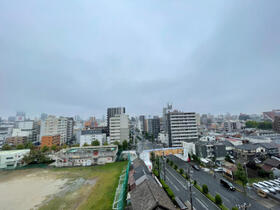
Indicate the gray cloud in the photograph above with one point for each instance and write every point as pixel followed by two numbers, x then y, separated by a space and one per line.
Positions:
pixel 81 57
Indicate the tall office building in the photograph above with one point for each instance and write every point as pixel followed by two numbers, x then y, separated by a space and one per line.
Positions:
pixel 112 112
pixel 154 126
pixel 182 127
pixel 62 126
pixel 119 128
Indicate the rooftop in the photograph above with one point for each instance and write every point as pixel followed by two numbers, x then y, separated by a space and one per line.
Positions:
pixel 149 195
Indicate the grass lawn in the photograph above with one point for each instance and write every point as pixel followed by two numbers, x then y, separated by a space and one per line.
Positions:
pixel 99 196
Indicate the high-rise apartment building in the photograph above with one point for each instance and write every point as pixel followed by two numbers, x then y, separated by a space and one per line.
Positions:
pixel 62 126
pixel 112 112
pixel 119 128
pixel 182 127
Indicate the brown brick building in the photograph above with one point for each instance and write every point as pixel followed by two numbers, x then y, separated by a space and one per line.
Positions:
pixel 50 140
pixel 16 140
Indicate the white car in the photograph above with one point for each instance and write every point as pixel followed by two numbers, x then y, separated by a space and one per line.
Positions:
pixel 259 187
pixel 272 185
pixel 220 169
pixel 266 186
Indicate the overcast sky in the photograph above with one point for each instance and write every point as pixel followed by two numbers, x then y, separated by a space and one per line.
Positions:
pixel 80 57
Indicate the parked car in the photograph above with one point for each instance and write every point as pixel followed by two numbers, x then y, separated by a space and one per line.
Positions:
pixel 227 184
pixel 259 187
pixel 219 169
pixel 266 186
pixel 272 185
pixel 196 167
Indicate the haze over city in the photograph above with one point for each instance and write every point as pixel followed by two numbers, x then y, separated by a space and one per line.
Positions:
pixel 77 57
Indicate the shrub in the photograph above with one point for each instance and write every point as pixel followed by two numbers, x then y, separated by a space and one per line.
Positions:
pixel 181 171
pixel 218 199
pixel 205 189
pixel 171 163
pixel 187 175
pixel 155 172
pixel 194 182
pixel 234 208
pixel 167 160
pixel 175 167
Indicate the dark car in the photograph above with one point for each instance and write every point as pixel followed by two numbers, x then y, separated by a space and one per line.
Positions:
pixel 196 167
pixel 227 184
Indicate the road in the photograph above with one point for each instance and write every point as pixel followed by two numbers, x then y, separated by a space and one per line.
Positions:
pixel 146 145
pixel 230 199
pixel 180 188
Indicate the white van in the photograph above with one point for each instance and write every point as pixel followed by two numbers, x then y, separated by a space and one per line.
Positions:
pixel 275 185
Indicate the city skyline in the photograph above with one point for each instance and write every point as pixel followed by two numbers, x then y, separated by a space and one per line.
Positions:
pixel 87 56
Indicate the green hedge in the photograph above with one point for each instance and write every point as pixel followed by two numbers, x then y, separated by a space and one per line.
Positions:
pixel 168 190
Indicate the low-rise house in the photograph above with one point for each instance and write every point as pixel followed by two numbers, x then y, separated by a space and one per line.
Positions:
pixel 150 196
pixel 144 192
pixel 271 149
pixel 210 150
pixel 247 152
pixel 12 158
pixel 269 164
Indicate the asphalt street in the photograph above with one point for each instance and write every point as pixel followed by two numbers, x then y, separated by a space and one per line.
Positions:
pixel 230 198
pixel 180 187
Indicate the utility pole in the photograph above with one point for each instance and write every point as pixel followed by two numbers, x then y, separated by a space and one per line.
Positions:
pixel 190 188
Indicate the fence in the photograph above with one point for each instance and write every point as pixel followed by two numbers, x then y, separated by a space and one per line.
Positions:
pixel 121 192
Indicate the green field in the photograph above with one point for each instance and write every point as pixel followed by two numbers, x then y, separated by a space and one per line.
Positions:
pixel 97 196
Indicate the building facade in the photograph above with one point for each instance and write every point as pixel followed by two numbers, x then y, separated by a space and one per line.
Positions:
pixel 112 112
pixel 62 126
pixel 12 158
pixel 86 156
pixel 50 141
pixel 119 128
pixel 182 127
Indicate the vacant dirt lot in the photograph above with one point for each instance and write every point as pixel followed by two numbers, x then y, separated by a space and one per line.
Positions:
pixel 26 189
pixel 80 188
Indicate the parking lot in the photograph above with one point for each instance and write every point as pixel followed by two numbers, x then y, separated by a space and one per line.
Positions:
pixel 230 198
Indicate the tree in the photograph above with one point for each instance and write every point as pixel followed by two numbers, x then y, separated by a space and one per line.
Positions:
pixel 36 156
pixel 125 145
pixel 181 171
pixel 152 157
pixel 240 174
pixel 218 199
pixel 167 160
pixel 175 167
pixel 6 147
pixel 85 145
pixel 45 149
pixel 234 208
pixel 187 175
pixel 171 163
pixel 29 145
pixel 53 147
pixel 20 146
pixel 105 143
pixel 95 143
pixel 205 189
